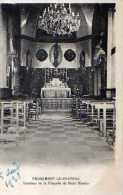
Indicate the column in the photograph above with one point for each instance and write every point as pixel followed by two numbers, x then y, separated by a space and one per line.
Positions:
pixel 114 53
pixel 119 84
pixel 13 55
pixel 109 48
pixel 3 53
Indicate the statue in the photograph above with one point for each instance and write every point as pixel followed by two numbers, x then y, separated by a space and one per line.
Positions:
pixel 56 55
pixel 100 56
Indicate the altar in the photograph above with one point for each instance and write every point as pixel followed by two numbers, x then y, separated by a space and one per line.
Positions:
pixel 55 89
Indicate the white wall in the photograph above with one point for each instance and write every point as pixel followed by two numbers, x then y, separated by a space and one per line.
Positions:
pixel 114 55
pixel 111 58
pixel 77 47
pixel 47 63
pixel 86 14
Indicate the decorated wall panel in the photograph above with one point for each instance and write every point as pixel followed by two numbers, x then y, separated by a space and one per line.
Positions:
pixel 68 55
pixel 49 62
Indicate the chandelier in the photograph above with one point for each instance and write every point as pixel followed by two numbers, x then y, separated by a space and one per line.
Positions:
pixel 59 19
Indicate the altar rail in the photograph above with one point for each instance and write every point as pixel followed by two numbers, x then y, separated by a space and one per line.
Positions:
pixel 56 104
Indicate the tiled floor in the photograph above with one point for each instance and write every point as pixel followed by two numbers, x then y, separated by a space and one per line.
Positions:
pixel 57 139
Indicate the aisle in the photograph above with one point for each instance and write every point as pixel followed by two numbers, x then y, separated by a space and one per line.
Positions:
pixel 57 139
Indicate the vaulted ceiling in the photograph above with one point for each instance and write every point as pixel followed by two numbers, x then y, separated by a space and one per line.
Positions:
pixel 93 19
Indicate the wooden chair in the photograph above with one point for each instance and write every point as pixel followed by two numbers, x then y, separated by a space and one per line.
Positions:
pixel 8 122
pixel 12 120
pixel 32 111
pixel 110 127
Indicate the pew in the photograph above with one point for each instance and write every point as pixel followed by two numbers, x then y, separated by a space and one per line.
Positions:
pixel 7 120
pixel 100 115
pixel 13 117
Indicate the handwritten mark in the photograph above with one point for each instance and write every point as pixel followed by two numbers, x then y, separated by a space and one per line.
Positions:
pixel 11 175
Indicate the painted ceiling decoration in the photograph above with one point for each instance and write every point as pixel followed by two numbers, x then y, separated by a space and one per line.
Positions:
pixel 69 55
pixel 55 55
pixel 41 55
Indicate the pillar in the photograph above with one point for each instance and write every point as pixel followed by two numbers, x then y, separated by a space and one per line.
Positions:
pixel 110 45
pixel 109 48
pixel 119 84
pixel 114 46
pixel 3 54
pixel 12 53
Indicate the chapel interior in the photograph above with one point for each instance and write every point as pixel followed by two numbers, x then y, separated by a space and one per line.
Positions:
pixel 57 81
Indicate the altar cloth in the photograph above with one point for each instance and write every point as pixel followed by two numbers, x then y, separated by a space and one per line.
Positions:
pixel 55 89
pixel 55 92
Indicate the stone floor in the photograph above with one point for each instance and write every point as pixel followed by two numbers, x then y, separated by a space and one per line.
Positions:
pixel 57 145
pixel 58 139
